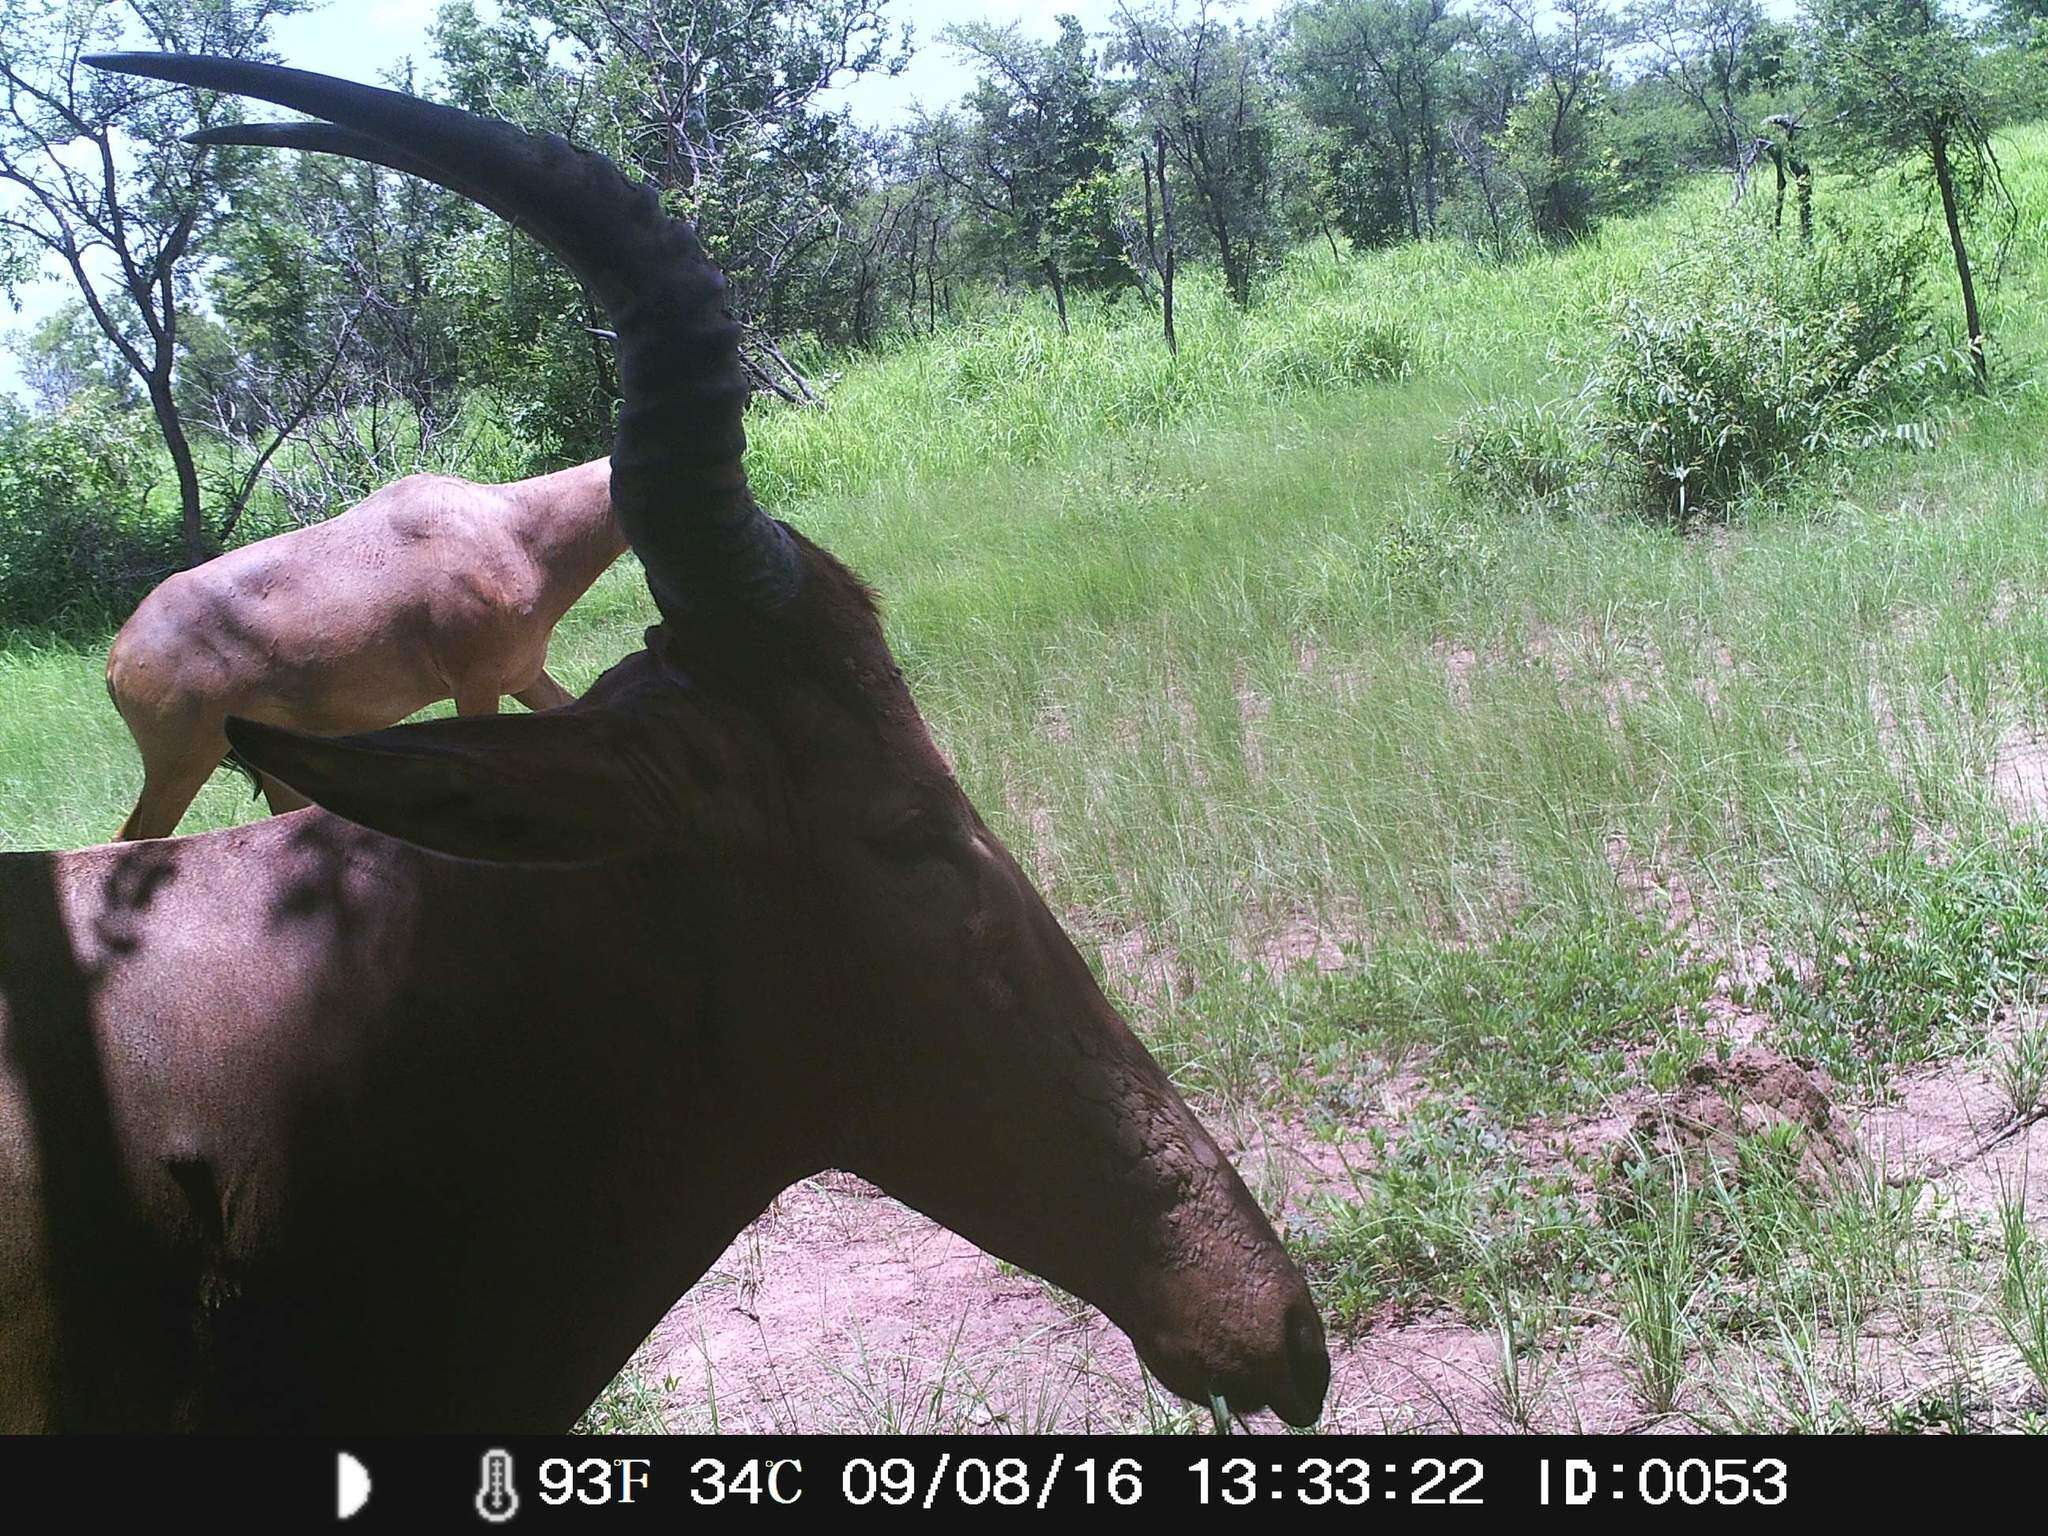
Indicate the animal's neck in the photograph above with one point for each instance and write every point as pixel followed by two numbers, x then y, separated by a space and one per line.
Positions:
pixel 596 1199
pixel 565 521
pixel 532 1093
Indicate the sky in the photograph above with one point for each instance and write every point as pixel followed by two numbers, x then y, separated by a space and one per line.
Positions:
pixel 359 38
pixel 362 39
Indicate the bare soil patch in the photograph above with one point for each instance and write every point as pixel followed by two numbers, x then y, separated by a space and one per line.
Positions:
pixel 1721 1105
pixel 2019 775
pixel 1952 1124
pixel 843 1311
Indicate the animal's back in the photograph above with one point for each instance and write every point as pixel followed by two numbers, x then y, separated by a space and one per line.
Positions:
pixel 85 1337
pixel 345 625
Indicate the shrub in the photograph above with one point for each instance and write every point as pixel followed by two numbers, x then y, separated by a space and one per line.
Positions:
pixel 1746 356
pixel 1739 361
pixel 1515 455
pixel 1563 156
pixel 79 537
pixel 484 443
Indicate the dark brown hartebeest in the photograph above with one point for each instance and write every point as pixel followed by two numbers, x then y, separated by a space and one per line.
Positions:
pixel 416 1111
pixel 434 588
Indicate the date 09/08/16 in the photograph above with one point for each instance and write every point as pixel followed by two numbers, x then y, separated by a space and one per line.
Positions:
pixel 1015 1482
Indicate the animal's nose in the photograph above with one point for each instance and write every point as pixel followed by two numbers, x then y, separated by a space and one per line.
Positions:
pixel 1308 1365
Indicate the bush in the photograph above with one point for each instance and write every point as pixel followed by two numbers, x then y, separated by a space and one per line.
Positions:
pixel 79 538
pixel 1741 360
pixel 1564 159
pixel 1516 455
pixel 518 327
pixel 1747 356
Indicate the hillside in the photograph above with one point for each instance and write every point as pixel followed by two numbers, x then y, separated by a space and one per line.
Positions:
pixel 1458 859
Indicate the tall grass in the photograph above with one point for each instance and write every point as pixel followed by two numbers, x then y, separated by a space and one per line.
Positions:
pixel 1342 776
pixel 1004 386
pixel 1215 645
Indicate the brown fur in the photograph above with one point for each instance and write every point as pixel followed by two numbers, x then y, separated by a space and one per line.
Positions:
pixel 416 1110
pixel 434 588
pixel 303 1127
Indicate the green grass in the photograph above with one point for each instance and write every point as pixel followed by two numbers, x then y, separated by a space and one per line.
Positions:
pixel 1448 1212
pixel 2023 1289
pixel 1222 654
pixel 632 1404
pixel 1918 961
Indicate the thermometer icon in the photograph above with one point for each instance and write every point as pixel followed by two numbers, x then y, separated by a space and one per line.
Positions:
pixel 496 1500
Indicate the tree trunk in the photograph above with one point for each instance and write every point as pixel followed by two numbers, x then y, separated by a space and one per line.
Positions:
pixel 910 284
pixel 1430 150
pixel 1166 232
pixel 1059 293
pixel 191 517
pixel 1944 177
pixel 1408 191
pixel 1236 266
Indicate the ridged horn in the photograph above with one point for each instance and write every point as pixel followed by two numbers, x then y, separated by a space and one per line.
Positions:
pixel 679 485
pixel 326 139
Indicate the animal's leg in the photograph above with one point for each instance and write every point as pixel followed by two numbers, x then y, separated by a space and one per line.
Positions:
pixel 171 780
pixel 476 704
pixel 544 693
pixel 282 797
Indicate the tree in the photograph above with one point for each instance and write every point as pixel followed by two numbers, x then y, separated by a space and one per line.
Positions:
pixel 1039 125
pixel 1161 251
pixel 103 183
pixel 1493 75
pixel 328 329
pixel 67 357
pixel 1898 76
pixel 718 103
pixel 1556 141
pixel 1698 48
pixel 1208 88
pixel 896 229
pixel 2024 20
pixel 1377 73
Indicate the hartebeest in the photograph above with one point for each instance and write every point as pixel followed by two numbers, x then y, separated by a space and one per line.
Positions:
pixel 434 588
pixel 416 1111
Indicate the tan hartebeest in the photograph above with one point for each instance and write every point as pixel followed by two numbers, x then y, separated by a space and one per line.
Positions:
pixel 416 1111
pixel 434 588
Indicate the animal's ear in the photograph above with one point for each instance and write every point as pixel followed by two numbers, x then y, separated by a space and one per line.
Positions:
pixel 553 788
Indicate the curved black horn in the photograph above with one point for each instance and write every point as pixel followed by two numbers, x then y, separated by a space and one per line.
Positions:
pixel 679 486
pixel 326 139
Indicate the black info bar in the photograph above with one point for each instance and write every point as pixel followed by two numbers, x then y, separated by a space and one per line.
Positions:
pixel 540 1484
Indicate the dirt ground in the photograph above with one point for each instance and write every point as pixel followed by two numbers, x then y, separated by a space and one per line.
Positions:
pixel 842 1310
